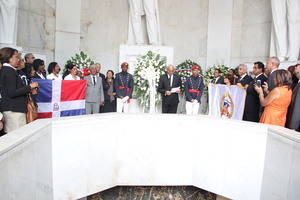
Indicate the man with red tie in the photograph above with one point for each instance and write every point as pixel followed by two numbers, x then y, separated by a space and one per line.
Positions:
pixel 193 88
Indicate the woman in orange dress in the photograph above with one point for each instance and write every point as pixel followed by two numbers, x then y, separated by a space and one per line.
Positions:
pixel 278 100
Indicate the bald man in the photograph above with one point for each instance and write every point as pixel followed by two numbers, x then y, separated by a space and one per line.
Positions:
pixel 169 86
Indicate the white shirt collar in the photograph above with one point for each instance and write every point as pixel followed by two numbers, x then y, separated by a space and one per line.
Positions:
pixel 258 75
pixel 40 75
pixel 243 76
pixel 274 70
pixel 8 65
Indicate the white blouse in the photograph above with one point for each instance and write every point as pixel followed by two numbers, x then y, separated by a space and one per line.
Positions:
pixel 70 78
pixel 54 77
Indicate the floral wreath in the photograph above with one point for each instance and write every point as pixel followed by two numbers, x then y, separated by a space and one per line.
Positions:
pixel 82 61
pixel 184 70
pixel 144 63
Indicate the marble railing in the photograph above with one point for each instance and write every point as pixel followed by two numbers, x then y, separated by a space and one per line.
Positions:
pixel 70 158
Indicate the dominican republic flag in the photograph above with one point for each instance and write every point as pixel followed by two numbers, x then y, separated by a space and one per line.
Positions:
pixel 60 98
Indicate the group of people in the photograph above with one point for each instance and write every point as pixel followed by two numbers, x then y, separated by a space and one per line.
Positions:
pixel 272 94
pixel 17 83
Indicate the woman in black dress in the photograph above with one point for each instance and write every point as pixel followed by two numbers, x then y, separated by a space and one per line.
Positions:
pixel 109 93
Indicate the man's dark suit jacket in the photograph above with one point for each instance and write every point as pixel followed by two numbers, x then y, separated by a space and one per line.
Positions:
pixel 271 84
pixel 293 117
pixel 245 81
pixel 219 81
pixel 164 85
pixel 252 103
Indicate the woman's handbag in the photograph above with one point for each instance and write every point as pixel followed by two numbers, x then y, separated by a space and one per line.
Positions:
pixel 32 110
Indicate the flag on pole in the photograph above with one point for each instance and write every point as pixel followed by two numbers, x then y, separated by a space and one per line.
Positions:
pixel 226 101
pixel 60 98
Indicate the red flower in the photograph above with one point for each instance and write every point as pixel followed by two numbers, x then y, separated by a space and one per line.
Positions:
pixel 86 72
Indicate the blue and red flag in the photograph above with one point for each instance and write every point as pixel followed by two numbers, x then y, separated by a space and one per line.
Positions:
pixel 60 98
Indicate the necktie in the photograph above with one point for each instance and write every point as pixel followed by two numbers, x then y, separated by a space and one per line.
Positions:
pixel 94 80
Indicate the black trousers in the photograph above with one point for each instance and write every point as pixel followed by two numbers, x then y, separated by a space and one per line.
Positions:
pixel 251 117
pixel 169 107
pixel 109 106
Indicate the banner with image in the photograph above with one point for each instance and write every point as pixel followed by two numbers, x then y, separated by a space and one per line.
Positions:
pixel 226 101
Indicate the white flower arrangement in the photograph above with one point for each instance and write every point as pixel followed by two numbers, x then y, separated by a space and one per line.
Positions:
pixel 209 73
pixel 81 60
pixel 148 67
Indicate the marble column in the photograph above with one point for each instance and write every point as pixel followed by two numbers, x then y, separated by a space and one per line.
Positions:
pixel 8 23
pixel 219 32
pixel 67 33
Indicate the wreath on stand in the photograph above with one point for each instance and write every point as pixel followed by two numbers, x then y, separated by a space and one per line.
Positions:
pixel 184 70
pixel 82 61
pixel 153 62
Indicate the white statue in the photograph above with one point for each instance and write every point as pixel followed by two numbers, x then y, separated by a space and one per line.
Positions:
pixel 139 8
pixel 8 21
pixel 285 39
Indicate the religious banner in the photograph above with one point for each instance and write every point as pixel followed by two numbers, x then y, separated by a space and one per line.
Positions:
pixel 60 98
pixel 226 101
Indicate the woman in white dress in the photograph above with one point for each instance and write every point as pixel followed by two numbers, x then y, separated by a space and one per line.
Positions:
pixel 53 70
pixel 72 73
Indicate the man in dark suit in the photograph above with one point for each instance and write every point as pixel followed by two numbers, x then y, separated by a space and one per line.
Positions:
pixel 244 79
pixel 271 66
pixel 217 77
pixel 293 117
pixel 169 86
pixel 252 103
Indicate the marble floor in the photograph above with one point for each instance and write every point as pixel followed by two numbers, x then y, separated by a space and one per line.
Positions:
pixel 153 193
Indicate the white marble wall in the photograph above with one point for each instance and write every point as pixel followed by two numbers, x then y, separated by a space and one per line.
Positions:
pixel 104 27
pixel 67 30
pixel 219 32
pixel 36 27
pixel 251 31
pixel 184 26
